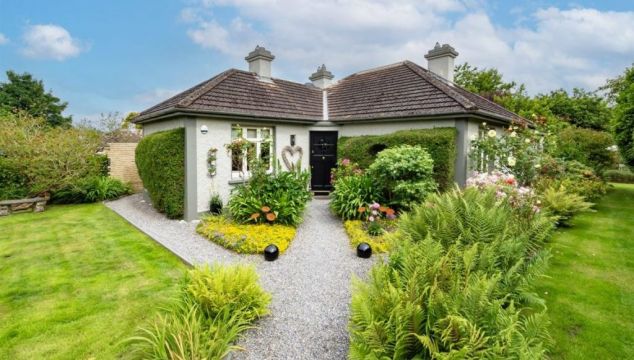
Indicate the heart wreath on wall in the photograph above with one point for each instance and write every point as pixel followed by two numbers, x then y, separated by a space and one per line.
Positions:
pixel 291 155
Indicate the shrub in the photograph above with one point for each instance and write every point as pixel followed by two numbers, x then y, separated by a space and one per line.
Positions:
pixel 351 193
pixel 12 182
pixel 563 204
pixel 283 195
pixel 457 285
pixel 403 175
pixel 440 143
pixel 516 152
pixel 47 158
pixel 589 147
pixel 92 189
pixel 216 304
pixel 160 159
pixel 619 176
pixel 344 168
pixel 576 177
pixel 245 238
pixel 228 287
pixel 481 218
pixel 358 233
pixel 431 302
pixel 215 204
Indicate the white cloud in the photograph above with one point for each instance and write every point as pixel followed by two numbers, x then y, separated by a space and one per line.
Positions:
pixel 3 39
pixel 546 49
pixel 50 42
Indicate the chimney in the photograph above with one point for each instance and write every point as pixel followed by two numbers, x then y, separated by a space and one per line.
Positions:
pixel 440 61
pixel 322 78
pixel 260 62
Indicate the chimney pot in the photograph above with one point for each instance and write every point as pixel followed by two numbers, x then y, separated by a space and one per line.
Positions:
pixel 322 78
pixel 260 62
pixel 440 61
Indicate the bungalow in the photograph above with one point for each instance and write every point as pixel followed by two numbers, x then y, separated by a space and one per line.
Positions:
pixel 300 123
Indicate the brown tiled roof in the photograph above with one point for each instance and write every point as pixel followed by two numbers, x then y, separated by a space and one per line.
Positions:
pixel 403 90
pixel 241 93
pixel 394 91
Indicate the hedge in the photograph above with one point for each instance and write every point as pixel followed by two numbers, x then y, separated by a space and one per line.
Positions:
pixel 160 159
pixel 619 176
pixel 440 143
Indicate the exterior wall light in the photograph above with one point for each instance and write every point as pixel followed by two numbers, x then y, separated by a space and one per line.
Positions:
pixel 204 129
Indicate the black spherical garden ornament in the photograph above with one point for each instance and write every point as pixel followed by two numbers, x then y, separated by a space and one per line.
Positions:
pixel 364 250
pixel 271 252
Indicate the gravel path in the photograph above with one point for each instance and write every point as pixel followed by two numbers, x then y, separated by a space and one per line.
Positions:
pixel 310 283
pixel 178 236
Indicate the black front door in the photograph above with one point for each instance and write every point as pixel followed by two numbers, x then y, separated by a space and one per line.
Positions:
pixel 323 157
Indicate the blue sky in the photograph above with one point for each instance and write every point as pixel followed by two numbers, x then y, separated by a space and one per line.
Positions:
pixel 105 56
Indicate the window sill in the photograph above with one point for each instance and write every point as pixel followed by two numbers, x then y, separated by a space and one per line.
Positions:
pixel 237 181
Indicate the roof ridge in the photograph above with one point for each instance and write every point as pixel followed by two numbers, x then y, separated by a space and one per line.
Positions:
pixel 210 84
pixel 440 85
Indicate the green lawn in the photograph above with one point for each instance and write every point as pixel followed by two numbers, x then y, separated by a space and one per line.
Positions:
pixel 590 292
pixel 77 280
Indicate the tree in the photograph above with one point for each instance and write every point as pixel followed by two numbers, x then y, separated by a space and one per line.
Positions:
pixel 487 83
pixel 584 109
pixel 23 92
pixel 621 89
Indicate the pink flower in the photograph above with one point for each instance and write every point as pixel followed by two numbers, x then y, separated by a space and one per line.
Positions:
pixel 345 162
pixel 375 206
pixel 371 218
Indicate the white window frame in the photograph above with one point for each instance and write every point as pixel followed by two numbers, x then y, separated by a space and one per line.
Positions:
pixel 244 173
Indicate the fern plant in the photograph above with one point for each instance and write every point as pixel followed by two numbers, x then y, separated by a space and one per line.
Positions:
pixel 563 204
pixel 458 285
pixel 216 304
pixel 431 302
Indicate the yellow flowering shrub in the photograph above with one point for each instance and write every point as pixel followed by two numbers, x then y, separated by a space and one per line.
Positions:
pixel 358 234
pixel 245 238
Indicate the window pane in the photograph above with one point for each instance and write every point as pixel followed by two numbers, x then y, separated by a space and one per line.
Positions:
pixel 266 133
pixel 252 133
pixel 265 153
pixel 236 161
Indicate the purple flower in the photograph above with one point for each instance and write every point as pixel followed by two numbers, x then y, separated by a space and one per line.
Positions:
pixel 391 216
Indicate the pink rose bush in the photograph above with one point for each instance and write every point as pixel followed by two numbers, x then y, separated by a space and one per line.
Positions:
pixel 505 187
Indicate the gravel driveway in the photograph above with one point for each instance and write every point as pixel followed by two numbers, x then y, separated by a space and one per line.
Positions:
pixel 310 283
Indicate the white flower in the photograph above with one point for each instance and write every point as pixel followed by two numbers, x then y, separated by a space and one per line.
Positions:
pixel 484 124
pixel 492 133
pixel 513 134
pixel 537 166
pixel 511 161
pixel 528 141
pixel 473 137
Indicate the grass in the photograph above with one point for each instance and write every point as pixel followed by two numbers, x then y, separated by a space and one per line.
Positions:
pixel 77 280
pixel 590 292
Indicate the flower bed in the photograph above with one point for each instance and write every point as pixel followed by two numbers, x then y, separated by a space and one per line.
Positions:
pixel 245 238
pixel 357 231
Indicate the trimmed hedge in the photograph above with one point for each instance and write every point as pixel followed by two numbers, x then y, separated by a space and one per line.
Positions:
pixel 160 159
pixel 619 176
pixel 440 143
